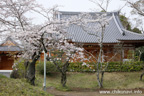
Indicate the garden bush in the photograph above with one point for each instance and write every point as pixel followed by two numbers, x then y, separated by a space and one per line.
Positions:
pixel 125 67
pixel 50 68
pixel 113 67
pixel 18 70
pixel 79 67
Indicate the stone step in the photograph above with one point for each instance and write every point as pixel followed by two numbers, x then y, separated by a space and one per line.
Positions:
pixel 6 73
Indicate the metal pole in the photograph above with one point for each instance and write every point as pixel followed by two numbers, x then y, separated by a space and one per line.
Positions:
pixel 44 85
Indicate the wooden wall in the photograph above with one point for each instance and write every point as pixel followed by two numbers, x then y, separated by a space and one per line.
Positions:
pixel 6 61
pixel 111 52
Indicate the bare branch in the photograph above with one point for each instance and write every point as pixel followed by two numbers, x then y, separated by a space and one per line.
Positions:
pixel 136 6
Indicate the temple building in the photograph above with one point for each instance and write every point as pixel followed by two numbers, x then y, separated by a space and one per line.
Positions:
pixel 117 41
pixel 8 50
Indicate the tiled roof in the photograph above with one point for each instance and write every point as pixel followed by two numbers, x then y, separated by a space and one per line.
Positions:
pixel 114 32
pixel 9 48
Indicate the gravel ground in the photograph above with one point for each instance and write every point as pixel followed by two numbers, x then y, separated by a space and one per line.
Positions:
pixel 55 92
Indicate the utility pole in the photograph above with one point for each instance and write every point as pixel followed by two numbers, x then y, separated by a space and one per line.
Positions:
pixel 44 84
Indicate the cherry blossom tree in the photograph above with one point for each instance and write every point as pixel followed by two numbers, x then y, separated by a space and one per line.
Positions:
pixel 49 36
pixel 15 23
pixel 98 32
pixel 95 24
pixel 34 38
pixel 62 55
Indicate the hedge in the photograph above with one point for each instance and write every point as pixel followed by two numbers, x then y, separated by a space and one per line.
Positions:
pixel 79 67
pixel 50 68
pixel 125 67
pixel 112 67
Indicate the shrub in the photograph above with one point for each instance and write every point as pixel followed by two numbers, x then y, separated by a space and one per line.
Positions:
pixel 113 67
pixel 50 68
pixel 125 67
pixel 78 67
pixel 18 70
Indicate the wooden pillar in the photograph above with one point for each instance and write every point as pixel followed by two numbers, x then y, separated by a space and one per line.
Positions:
pixel 121 53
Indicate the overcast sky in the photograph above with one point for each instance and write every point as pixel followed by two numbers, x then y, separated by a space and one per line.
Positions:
pixel 85 6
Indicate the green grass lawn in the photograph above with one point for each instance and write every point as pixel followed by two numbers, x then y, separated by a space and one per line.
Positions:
pixel 75 80
pixel 113 80
pixel 19 87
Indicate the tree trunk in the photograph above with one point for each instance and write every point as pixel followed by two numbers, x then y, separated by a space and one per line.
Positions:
pixel 63 71
pixel 102 75
pixel 98 76
pixel 31 73
pixel 141 76
pixel 26 63
pixel 100 82
pixel 31 69
pixel 63 79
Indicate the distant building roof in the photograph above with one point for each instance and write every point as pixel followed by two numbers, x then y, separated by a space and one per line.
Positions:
pixel 114 32
pixel 9 45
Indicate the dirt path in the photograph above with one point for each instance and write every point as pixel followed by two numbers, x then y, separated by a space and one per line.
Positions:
pixel 56 92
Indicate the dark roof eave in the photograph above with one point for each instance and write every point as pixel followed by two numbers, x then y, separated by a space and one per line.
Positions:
pixel 93 43
pixel 77 12
pixel 10 49
pixel 129 40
